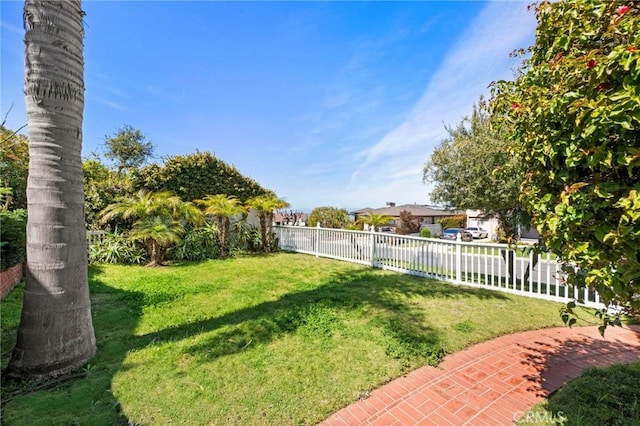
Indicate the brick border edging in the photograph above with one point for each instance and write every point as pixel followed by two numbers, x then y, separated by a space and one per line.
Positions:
pixel 494 382
pixel 10 278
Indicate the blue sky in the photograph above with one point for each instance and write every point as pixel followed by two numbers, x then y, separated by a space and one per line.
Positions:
pixel 326 103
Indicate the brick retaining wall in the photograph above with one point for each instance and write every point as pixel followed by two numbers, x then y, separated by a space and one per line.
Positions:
pixel 9 279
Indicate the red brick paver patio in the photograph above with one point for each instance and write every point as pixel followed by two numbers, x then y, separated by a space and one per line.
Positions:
pixel 492 383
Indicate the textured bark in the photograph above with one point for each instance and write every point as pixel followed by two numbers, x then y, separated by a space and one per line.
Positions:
pixel 263 231
pixel 56 331
pixel 155 258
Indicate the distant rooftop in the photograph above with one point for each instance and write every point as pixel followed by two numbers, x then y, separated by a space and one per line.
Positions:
pixel 421 210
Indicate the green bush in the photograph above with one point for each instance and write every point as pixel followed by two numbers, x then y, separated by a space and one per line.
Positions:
pixel 198 244
pixel 13 238
pixel 328 217
pixel 193 176
pixel 425 233
pixel 457 221
pixel 14 166
pixel 246 237
pixel 102 187
pixel 255 244
pixel 116 247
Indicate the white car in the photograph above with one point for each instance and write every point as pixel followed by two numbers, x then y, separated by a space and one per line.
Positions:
pixel 478 233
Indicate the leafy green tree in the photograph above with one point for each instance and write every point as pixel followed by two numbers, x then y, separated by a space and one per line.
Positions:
pixel 127 149
pixel 223 208
pixel 375 220
pixel 56 334
pixel 265 206
pixel 102 186
pixel 473 169
pixel 159 220
pixel 575 115
pixel 328 217
pixel 194 176
pixel 14 166
pixel 455 221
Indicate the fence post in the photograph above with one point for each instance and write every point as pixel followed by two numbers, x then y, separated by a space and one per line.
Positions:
pixel 372 244
pixel 317 245
pixel 458 258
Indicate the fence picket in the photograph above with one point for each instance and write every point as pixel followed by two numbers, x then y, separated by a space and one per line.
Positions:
pixel 452 261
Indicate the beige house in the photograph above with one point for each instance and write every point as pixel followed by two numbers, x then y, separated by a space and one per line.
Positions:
pixel 491 224
pixel 426 215
pixel 479 219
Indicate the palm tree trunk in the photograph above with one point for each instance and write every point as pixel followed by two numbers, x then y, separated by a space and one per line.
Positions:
pixel 263 232
pixel 56 333
pixel 268 226
pixel 220 224
pixel 155 255
pixel 225 237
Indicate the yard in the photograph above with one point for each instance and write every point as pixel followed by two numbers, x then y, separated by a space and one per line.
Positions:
pixel 279 339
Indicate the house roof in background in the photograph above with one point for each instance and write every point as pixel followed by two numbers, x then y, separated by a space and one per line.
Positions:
pixel 362 211
pixel 415 209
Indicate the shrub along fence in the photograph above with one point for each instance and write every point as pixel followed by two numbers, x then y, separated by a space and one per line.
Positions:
pixel 13 240
pixel 491 266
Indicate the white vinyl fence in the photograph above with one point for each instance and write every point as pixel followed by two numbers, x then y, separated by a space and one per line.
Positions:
pixel 484 265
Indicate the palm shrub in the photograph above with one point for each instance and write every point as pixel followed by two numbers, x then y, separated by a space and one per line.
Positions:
pixel 222 207
pixel 241 233
pixel 198 243
pixel 375 220
pixel 354 226
pixel 244 236
pixel 117 247
pixel 157 233
pixel 265 206
pixel 160 220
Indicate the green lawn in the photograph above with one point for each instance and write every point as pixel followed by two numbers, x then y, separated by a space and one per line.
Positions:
pixel 281 339
pixel 601 396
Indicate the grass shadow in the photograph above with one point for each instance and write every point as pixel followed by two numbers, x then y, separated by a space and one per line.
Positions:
pixel 318 310
pixel 115 313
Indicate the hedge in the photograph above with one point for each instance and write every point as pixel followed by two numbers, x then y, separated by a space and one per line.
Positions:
pixel 13 238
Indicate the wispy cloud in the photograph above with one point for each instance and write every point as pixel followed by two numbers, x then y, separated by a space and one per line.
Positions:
pixel 107 102
pixel 103 89
pixel 480 56
pixel 174 95
pixel 12 28
pixel 11 40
